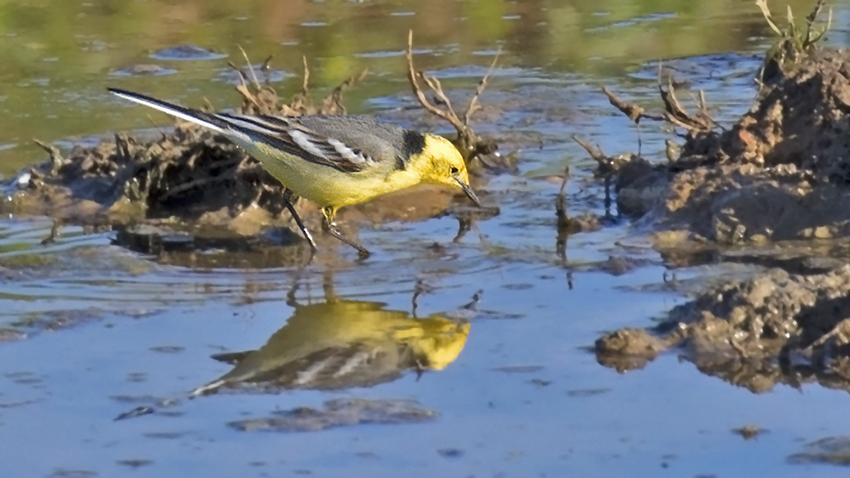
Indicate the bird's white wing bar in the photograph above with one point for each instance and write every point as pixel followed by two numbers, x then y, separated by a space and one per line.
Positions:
pixel 347 153
pixel 291 132
pixel 304 142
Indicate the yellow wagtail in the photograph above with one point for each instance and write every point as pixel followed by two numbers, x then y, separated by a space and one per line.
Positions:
pixel 334 161
pixel 345 343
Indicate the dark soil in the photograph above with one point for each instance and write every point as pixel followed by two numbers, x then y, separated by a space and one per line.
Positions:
pixel 780 173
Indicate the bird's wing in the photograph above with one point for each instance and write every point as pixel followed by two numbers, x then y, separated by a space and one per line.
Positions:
pixel 293 137
pixel 286 134
pixel 332 368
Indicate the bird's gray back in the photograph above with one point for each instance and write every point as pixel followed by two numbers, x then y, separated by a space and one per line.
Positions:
pixel 377 139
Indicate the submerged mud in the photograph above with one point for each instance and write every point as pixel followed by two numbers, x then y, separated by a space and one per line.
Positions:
pixel 831 450
pixel 774 328
pixel 339 413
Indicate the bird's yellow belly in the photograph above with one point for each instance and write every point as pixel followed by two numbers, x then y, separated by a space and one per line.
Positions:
pixel 328 187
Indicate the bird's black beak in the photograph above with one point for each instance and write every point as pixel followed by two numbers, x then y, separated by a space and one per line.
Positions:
pixel 468 190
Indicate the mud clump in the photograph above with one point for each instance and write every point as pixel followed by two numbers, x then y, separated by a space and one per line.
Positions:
pixel 780 173
pixel 188 173
pixel 831 450
pixel 629 349
pixel 775 328
pixel 800 119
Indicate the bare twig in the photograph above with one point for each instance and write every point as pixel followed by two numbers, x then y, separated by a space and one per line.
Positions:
pixel 561 201
pixel 122 148
pixel 155 125
pixel 243 79
pixel 300 100
pixel 413 76
pixel 332 104
pixel 632 110
pixel 266 68
pixel 208 105
pixel 466 141
pixel 250 68
pixel 676 114
pixel 263 99
pixel 812 35
pixel 563 218
pixel 811 17
pixel 473 103
pixel 56 159
pixel 595 152
pixel 248 96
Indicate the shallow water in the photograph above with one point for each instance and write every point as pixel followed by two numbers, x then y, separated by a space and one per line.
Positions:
pixel 93 330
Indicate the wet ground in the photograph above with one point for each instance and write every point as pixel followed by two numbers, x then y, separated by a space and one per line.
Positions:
pixel 434 357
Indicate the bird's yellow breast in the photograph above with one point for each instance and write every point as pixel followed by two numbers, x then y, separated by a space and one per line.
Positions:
pixel 328 187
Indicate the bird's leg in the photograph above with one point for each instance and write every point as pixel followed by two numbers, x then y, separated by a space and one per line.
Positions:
pixel 287 199
pixel 330 226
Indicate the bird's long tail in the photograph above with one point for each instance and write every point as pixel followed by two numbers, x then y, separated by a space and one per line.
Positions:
pixel 194 116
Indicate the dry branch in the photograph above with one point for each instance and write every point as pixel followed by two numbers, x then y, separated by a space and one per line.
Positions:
pixel 632 110
pixel 262 99
pixel 56 159
pixel 595 152
pixel 466 141
pixel 332 105
pixel 675 113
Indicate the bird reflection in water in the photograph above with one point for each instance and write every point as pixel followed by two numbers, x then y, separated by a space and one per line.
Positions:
pixel 342 344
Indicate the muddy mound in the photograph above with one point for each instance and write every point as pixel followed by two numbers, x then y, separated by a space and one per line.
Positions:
pixel 779 173
pixel 800 118
pixel 187 172
pixel 775 328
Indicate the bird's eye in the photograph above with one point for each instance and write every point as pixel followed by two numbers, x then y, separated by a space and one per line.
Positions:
pixel 454 170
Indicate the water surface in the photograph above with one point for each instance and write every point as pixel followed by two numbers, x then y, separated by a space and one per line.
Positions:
pixel 108 330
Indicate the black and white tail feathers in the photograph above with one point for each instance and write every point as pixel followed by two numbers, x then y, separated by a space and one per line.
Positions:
pixel 194 116
pixel 315 144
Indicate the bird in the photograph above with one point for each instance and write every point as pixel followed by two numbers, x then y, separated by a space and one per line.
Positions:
pixel 342 344
pixel 333 161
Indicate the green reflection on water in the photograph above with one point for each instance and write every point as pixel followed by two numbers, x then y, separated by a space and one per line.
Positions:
pixel 58 56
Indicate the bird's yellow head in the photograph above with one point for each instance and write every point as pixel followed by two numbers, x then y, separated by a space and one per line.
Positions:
pixel 435 340
pixel 440 162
